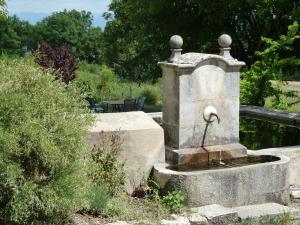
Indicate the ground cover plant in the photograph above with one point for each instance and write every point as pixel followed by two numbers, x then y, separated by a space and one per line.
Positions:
pixel 43 123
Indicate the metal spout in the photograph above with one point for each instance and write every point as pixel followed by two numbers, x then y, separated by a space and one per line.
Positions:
pixel 216 115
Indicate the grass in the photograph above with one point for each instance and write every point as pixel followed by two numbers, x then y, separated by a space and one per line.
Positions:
pixel 290 86
pixel 125 208
pixel 284 219
pixel 103 84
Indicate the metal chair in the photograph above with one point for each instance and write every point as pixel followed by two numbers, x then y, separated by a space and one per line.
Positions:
pixel 129 105
pixel 93 106
pixel 140 102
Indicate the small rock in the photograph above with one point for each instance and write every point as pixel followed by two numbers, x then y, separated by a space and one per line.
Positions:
pixel 176 220
pixel 196 219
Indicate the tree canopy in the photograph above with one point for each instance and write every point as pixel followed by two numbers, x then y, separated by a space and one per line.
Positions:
pixel 14 35
pixel 278 63
pixel 70 28
pixel 74 29
pixel 3 7
pixel 136 37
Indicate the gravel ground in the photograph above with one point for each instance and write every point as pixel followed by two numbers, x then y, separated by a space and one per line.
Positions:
pixel 84 219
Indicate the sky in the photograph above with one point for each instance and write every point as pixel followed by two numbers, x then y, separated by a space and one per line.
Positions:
pixel 35 10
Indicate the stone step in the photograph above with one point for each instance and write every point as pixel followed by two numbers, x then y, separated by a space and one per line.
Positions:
pixel 267 209
pixel 216 214
pixel 220 215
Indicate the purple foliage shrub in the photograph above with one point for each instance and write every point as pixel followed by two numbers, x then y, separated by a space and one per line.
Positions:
pixel 60 60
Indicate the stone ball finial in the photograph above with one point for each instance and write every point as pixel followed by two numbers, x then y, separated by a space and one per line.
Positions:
pixel 224 41
pixel 176 42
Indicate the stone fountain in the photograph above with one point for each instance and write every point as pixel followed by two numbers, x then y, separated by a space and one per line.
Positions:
pixel 201 126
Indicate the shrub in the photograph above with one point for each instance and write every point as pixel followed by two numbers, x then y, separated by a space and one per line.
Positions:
pixel 43 168
pixel 107 169
pixel 99 197
pixel 151 95
pixel 62 63
pixel 99 79
pixel 173 201
pixel 276 62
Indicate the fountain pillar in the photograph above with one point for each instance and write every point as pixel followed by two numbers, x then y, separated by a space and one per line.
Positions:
pixel 191 83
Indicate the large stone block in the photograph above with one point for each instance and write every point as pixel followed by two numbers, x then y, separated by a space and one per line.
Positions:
pixel 142 146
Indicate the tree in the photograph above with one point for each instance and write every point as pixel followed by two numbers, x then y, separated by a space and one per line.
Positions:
pixel 14 35
pixel 278 62
pixel 137 32
pixel 74 29
pixel 3 9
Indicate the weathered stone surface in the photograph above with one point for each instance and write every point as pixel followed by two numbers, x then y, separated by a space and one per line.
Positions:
pixel 230 187
pixel 204 155
pixel 176 220
pixel 196 219
pixel 190 85
pixel 143 142
pixel 224 41
pixel 267 209
pixel 293 152
pixel 217 214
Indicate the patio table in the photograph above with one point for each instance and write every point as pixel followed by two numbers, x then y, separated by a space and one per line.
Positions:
pixel 116 104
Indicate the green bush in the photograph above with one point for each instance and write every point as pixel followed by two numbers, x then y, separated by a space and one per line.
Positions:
pixel 43 163
pixel 277 62
pixel 151 95
pixel 173 201
pixel 98 80
pixel 99 197
pixel 107 170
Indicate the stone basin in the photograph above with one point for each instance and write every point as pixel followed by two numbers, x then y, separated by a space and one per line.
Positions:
pixel 237 186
